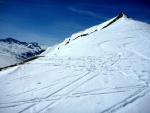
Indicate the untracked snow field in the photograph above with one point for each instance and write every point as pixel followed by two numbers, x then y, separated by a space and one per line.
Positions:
pixel 105 72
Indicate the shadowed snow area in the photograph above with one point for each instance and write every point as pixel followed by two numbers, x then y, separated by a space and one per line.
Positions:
pixel 105 71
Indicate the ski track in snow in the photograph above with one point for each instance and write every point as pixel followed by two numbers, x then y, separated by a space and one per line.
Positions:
pixel 72 93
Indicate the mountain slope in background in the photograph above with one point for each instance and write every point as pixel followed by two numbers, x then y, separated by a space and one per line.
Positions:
pixel 103 69
pixel 13 51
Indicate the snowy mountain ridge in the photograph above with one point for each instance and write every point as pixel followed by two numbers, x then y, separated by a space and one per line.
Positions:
pixel 13 51
pixel 94 28
pixel 106 71
pixel 88 31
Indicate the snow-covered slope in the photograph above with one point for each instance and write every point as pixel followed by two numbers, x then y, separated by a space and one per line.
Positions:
pixel 13 51
pixel 105 71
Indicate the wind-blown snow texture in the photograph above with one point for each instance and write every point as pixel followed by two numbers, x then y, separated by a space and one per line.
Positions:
pixel 99 70
pixel 13 51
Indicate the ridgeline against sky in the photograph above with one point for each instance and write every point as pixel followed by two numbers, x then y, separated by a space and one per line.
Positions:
pixel 49 22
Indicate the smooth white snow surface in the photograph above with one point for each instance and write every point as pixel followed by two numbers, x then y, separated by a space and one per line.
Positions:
pixel 104 72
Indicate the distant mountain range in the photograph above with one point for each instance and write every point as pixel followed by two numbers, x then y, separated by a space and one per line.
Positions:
pixel 13 51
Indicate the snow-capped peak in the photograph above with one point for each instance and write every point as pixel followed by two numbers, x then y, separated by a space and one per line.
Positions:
pixel 123 15
pixel 11 40
pixel 92 30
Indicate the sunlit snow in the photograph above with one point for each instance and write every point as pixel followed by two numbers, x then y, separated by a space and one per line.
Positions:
pixel 106 71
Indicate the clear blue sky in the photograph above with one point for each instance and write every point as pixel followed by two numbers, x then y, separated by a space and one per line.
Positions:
pixel 50 21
